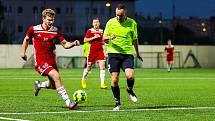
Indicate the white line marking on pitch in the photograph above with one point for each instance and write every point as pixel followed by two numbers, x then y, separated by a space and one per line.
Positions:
pixel 174 78
pixel 126 110
pixel 12 119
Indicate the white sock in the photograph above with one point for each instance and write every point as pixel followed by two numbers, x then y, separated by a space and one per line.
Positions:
pixel 102 76
pixel 85 74
pixel 44 84
pixel 168 67
pixel 61 90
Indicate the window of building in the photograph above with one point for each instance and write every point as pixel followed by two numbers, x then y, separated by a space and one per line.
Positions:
pixel 20 9
pixel 67 10
pixel 20 28
pixel 58 10
pixel 71 10
pixel 95 11
pixel 35 9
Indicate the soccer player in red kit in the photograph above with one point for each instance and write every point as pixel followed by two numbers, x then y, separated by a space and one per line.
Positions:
pixel 94 37
pixel 169 50
pixel 43 36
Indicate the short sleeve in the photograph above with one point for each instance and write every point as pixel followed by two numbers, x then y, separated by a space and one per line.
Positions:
pixel 30 32
pixel 60 35
pixel 88 33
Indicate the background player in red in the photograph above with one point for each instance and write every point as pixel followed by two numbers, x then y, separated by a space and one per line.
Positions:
pixel 169 50
pixel 43 36
pixel 94 37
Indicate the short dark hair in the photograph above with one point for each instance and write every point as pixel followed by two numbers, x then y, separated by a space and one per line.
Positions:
pixel 95 18
pixel 121 6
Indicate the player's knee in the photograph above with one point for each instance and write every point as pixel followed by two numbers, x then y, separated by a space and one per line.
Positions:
pixel 129 73
pixel 56 77
pixel 89 67
pixel 115 79
pixel 102 67
pixel 130 77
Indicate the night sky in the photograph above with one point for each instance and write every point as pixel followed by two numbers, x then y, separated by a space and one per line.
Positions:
pixel 183 8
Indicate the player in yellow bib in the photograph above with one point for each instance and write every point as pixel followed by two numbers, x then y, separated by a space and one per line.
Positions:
pixel 121 34
pixel 86 48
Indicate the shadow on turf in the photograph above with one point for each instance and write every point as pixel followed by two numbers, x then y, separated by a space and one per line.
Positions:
pixel 86 106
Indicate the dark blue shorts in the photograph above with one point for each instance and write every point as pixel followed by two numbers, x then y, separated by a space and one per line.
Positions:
pixel 120 61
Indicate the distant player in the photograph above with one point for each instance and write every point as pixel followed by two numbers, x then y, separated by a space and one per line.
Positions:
pixel 86 48
pixel 169 50
pixel 94 37
pixel 43 36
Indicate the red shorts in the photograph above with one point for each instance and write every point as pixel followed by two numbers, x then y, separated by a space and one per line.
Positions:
pixel 94 56
pixel 169 58
pixel 44 68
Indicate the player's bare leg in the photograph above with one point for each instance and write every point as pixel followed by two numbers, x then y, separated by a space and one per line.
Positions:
pixel 48 84
pixel 60 88
pixel 102 74
pixel 129 73
pixel 115 89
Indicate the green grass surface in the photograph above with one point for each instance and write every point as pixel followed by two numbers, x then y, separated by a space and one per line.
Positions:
pixel 162 96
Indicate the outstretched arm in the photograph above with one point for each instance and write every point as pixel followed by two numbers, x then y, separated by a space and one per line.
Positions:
pixel 24 48
pixel 68 45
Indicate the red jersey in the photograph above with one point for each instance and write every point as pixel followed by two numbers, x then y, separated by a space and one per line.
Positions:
pixel 96 50
pixel 169 52
pixel 43 44
pixel 96 44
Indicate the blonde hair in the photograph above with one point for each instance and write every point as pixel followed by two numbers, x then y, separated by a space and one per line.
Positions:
pixel 48 12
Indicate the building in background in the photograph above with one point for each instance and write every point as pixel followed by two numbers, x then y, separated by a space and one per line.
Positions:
pixel 73 16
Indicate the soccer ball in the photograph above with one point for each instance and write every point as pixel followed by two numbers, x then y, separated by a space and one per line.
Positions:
pixel 79 96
